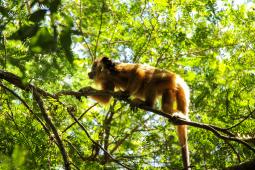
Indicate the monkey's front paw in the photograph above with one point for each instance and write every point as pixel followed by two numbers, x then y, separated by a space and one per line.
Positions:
pixel 136 103
pixel 177 116
pixel 83 90
pixel 133 107
pixel 122 95
pixel 86 89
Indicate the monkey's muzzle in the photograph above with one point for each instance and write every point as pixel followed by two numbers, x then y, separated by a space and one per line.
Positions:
pixel 91 75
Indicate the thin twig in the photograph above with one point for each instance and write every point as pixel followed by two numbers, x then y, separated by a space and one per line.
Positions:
pixel 5 51
pixel 208 49
pixel 78 152
pixel 11 116
pixel 234 150
pixel 118 143
pixel 245 118
pixel 79 117
pixel 107 128
pixel 100 29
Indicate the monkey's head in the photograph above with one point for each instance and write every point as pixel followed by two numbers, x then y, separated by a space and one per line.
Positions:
pixel 102 68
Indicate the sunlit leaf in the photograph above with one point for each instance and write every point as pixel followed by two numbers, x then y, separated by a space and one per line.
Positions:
pixel 43 41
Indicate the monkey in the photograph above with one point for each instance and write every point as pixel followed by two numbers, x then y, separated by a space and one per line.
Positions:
pixel 145 83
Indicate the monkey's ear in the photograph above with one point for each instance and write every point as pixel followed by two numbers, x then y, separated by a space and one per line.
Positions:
pixel 106 60
pixel 108 64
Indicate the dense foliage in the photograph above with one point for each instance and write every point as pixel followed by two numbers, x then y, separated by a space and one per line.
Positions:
pixel 51 44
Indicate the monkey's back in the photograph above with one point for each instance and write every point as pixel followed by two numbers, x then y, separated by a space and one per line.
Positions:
pixel 138 79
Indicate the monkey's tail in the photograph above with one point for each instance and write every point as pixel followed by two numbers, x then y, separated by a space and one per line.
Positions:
pixel 182 97
pixel 182 135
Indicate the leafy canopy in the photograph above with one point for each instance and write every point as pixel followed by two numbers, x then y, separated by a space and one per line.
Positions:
pixel 52 44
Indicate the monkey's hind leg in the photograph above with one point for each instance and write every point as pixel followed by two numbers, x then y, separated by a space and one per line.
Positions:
pixel 168 101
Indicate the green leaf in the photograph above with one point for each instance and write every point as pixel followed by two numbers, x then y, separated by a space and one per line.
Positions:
pixel 43 41
pixel 24 32
pixel 4 11
pixel 38 15
pixel 66 42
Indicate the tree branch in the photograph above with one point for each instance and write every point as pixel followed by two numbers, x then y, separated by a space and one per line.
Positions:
pixel 245 118
pixel 53 128
pixel 70 110
pixel 26 105
pixel 15 80
pixel 244 166
pixel 80 117
pixel 176 120
pixel 119 142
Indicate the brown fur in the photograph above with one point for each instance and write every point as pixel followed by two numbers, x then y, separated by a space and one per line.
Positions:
pixel 145 83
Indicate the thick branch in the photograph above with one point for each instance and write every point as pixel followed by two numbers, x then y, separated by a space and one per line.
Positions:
pixel 16 81
pixel 177 120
